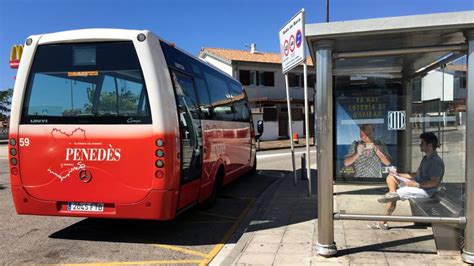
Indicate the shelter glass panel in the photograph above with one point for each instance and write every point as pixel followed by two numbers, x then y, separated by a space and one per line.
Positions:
pixel 399 127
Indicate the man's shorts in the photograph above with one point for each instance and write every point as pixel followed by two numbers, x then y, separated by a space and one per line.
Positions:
pixel 412 193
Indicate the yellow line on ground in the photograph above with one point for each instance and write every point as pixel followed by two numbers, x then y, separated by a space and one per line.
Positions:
pixel 139 262
pixel 228 234
pixel 218 215
pixel 182 250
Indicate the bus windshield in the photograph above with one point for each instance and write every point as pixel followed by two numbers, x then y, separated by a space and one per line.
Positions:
pixel 86 83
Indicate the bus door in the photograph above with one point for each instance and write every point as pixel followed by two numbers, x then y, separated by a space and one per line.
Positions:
pixel 190 136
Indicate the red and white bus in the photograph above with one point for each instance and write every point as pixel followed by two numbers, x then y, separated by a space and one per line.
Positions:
pixel 121 124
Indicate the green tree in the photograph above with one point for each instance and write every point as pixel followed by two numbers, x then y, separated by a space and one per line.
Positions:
pixel 5 101
pixel 108 103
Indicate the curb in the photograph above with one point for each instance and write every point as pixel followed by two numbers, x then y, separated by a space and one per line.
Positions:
pixel 230 252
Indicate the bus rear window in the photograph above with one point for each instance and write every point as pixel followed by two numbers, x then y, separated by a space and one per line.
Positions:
pixel 87 83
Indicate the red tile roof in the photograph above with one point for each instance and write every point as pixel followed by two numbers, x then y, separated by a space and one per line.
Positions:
pixel 246 56
pixel 457 67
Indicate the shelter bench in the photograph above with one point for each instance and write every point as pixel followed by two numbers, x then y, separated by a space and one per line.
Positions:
pixel 447 202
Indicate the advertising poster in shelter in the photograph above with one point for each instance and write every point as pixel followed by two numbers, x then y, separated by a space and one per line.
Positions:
pixel 361 127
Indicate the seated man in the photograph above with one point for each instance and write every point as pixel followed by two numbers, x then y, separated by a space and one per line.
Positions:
pixel 423 184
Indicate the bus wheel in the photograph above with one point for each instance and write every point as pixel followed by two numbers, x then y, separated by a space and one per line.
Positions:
pixel 208 203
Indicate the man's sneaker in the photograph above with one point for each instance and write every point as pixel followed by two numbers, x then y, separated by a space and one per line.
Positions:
pixel 377 225
pixel 389 197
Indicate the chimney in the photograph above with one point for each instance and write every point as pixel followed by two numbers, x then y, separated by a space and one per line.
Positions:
pixel 253 48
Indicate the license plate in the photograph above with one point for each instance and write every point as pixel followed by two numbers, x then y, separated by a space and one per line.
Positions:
pixel 85 207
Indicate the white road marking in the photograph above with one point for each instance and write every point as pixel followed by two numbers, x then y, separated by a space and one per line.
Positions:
pixel 264 156
pixel 3 151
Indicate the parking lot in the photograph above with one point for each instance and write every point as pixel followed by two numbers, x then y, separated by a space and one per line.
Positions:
pixel 195 237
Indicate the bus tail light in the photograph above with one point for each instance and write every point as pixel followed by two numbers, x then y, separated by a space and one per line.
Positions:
pixel 14 171
pixel 160 153
pixel 159 174
pixel 160 143
pixel 159 163
pixel 13 154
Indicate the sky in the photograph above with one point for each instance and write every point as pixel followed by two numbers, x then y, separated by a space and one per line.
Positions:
pixel 192 24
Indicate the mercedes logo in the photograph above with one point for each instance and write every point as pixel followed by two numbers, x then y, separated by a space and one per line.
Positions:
pixel 85 176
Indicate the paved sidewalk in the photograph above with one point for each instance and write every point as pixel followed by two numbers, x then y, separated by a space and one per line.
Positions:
pixel 284 232
pixel 283 144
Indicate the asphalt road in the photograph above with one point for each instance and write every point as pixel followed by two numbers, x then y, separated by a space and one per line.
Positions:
pixel 193 238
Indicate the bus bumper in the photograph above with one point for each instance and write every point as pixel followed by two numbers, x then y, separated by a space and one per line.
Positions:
pixel 157 205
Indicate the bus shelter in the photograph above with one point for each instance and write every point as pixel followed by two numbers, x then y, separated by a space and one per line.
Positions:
pixel 394 79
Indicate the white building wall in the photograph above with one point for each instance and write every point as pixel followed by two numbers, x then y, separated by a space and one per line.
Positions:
pixel 219 64
pixel 298 128
pixel 270 128
pixel 278 91
pixel 432 86
pixel 270 131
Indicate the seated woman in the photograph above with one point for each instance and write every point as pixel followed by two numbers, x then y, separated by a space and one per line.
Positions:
pixel 423 184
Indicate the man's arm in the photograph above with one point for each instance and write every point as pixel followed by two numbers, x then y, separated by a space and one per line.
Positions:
pixel 435 171
pixel 406 175
pixel 432 183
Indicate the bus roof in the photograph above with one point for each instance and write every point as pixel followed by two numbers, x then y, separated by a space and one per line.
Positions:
pixel 101 34
pixel 88 35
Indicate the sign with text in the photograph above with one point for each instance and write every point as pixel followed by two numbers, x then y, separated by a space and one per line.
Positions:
pixel 292 43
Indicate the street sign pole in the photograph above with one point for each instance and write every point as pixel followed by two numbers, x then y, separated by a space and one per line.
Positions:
pixel 290 126
pixel 306 107
pixel 292 50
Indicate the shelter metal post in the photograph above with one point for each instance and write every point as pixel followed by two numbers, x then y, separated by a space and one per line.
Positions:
pixel 468 250
pixel 326 245
pixel 406 135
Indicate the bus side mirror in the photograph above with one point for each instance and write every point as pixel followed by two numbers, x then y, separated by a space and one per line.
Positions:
pixel 259 129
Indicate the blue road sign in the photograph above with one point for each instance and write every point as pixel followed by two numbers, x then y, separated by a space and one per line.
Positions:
pixel 298 38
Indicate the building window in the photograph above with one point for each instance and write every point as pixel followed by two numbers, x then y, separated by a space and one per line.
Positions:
pixel 261 78
pixel 297 114
pixel 253 78
pixel 269 114
pixel 244 77
pixel 463 82
pixel 311 81
pixel 257 78
pixel 268 79
pixel 294 80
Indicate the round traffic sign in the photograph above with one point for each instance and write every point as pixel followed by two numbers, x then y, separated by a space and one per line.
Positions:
pixel 287 51
pixel 298 38
pixel 292 43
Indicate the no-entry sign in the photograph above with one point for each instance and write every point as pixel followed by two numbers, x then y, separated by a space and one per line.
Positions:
pixel 292 44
